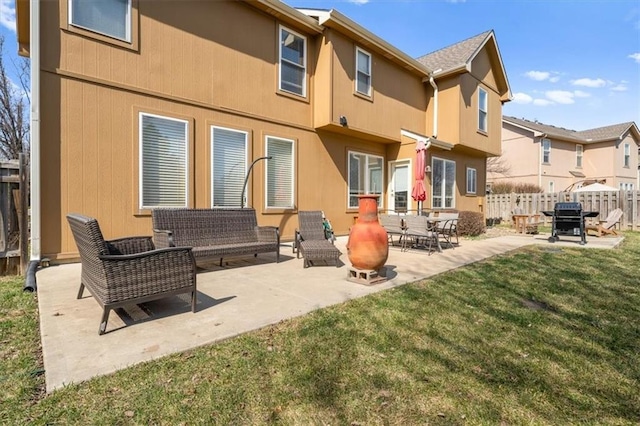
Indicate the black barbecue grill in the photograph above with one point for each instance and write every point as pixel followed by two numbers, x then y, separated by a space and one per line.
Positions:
pixel 568 219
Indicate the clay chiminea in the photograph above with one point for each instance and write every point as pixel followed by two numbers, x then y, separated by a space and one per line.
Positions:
pixel 367 246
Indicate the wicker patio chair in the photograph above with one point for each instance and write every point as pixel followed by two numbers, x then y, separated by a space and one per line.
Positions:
pixel 311 240
pixel 129 271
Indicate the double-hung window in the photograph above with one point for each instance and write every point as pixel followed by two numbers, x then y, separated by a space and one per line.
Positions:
pixel 108 17
pixel 472 180
pixel 443 176
pixel 627 154
pixel 546 151
pixel 483 109
pixel 363 72
pixel 365 176
pixel 228 167
pixel 579 152
pixel 293 62
pixel 280 173
pixel 164 161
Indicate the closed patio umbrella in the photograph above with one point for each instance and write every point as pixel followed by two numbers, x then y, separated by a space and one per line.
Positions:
pixel 419 192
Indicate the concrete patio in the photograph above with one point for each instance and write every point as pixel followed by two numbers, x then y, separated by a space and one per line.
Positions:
pixel 243 295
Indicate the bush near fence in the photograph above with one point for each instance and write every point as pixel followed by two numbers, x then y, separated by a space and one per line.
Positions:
pixel 501 206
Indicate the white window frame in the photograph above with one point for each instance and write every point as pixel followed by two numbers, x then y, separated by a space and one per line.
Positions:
pixel 579 154
pixel 364 187
pixel 483 110
pixel 546 151
pixel 359 72
pixel 444 184
pixel 141 183
pixel 627 155
pixel 243 169
pixel 281 59
pixel 273 163
pixel 472 180
pixel 127 17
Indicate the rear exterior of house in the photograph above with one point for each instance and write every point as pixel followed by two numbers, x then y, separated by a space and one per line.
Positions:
pixel 558 159
pixel 148 104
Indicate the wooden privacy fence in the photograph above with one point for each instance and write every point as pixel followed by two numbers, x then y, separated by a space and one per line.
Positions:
pixel 14 223
pixel 501 206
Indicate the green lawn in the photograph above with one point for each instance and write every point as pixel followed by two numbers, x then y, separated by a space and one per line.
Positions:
pixel 544 335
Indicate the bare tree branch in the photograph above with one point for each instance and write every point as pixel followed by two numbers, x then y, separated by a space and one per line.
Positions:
pixel 14 114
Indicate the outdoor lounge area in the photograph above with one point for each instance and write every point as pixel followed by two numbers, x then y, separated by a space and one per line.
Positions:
pixel 267 293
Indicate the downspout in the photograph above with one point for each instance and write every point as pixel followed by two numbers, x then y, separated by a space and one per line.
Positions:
pixel 34 179
pixel 435 102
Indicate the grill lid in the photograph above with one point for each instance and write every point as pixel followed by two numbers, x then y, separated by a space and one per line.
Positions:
pixel 576 207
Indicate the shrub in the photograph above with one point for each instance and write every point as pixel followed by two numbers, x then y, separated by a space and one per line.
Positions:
pixel 518 188
pixel 471 223
pixel 527 188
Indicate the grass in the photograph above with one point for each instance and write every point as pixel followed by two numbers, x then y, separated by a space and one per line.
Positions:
pixel 544 335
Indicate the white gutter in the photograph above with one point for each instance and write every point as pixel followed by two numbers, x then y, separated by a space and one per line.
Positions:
pixel 34 51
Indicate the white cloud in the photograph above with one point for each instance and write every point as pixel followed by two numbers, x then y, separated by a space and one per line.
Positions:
pixel 622 87
pixel 551 76
pixel 8 14
pixel 581 94
pixel 522 98
pixel 635 57
pixel 560 96
pixel 538 75
pixel 358 1
pixel 542 102
pixel 589 82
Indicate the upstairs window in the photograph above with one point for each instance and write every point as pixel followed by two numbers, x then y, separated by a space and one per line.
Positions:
pixel 108 17
pixel 472 180
pixel 546 151
pixel 627 154
pixel 579 150
pixel 164 156
pixel 363 72
pixel 482 109
pixel 293 62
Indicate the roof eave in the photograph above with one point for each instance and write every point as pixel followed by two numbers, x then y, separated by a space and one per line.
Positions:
pixel 23 27
pixel 287 14
pixel 339 22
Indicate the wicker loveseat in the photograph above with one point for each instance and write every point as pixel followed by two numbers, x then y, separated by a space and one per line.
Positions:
pixel 129 270
pixel 214 233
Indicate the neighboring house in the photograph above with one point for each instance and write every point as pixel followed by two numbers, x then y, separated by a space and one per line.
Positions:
pixel 557 159
pixel 146 104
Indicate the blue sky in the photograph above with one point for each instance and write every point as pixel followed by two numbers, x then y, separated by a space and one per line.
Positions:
pixel 570 63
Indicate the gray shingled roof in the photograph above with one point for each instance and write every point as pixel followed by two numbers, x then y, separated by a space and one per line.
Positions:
pixel 591 135
pixel 454 56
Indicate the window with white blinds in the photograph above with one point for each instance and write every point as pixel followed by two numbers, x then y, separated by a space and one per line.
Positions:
pixel 280 173
pixel 228 166
pixel 109 17
pixel 163 161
